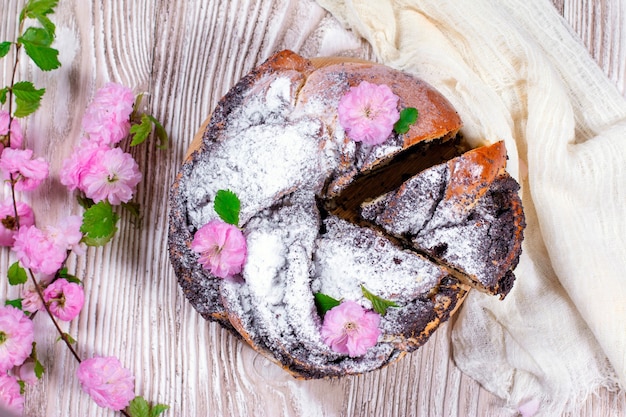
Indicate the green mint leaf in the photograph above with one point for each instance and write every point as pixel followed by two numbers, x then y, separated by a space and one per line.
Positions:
pixel 324 303
pixel 99 224
pixel 158 409
pixel 36 42
pixel 141 131
pixel 39 369
pixel 380 305
pixel 5 47
pixel 139 407
pixel 3 95
pixel 16 274
pixel 27 98
pixel 17 303
pixel 227 206
pixel 408 116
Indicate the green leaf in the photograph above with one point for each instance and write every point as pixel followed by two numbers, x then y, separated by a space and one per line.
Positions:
pixel 227 206
pixel 39 369
pixel 141 131
pixel 39 9
pixel 69 277
pixel 135 116
pixel 16 274
pixel 163 139
pixel 139 407
pixel 27 98
pixel 17 303
pixel 379 304
pixel 99 224
pixel 324 303
pixel 22 385
pixel 36 42
pixel 5 47
pixel 408 116
pixel 158 409
pixel 3 95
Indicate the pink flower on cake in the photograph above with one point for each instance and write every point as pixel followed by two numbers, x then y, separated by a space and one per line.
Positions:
pixel 65 299
pixel 107 118
pixel 108 383
pixel 10 396
pixel 83 157
pixel 38 251
pixel 16 337
pixel 368 112
pixel 222 248
pixel 112 177
pixel 16 131
pixel 349 328
pixel 8 223
pixel 27 173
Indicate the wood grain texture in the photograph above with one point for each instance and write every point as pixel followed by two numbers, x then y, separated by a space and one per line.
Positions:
pixel 185 55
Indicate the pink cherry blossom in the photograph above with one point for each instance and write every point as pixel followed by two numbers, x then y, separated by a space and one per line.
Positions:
pixel 349 328
pixel 27 172
pixel 16 131
pixel 10 396
pixel 68 235
pixel 16 337
pixel 76 166
pixel 38 251
pixel 8 223
pixel 368 112
pixel 31 301
pixel 107 118
pixel 108 383
pixel 65 299
pixel 112 177
pixel 222 248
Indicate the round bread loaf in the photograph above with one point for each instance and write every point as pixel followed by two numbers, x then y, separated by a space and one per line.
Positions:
pixel 306 190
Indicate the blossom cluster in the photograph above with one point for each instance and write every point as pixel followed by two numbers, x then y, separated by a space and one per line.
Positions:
pixel 102 172
pixel 97 168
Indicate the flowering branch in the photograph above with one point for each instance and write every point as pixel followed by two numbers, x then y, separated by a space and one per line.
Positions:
pixel 104 176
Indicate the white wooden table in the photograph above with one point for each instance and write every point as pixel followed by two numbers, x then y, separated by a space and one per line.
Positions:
pixel 185 55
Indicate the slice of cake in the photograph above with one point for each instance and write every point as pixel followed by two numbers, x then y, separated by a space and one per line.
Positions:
pixel 465 213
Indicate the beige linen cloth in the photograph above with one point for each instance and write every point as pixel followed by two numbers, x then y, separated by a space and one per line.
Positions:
pixel 515 72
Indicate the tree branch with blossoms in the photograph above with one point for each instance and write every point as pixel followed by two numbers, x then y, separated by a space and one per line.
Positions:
pixel 104 177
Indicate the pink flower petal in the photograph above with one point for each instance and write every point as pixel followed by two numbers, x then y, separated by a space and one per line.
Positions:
pixel 65 299
pixel 10 396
